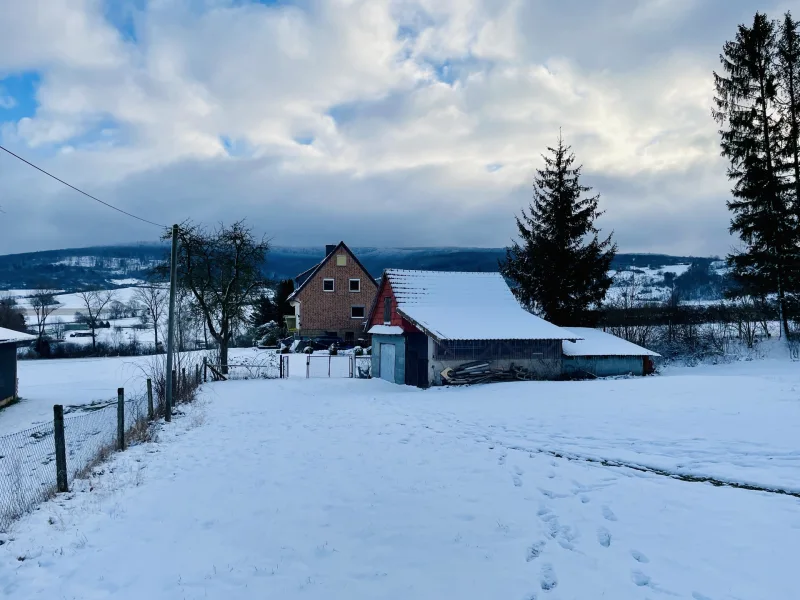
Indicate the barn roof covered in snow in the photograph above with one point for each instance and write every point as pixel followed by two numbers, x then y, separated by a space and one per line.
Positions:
pixel 600 343
pixel 467 306
pixel 9 336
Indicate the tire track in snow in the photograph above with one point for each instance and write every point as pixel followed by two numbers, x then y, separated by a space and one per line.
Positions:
pixel 716 482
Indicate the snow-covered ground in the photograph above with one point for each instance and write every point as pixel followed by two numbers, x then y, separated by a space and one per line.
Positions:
pixel 355 489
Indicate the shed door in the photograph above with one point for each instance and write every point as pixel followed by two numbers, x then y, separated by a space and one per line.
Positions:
pixel 387 362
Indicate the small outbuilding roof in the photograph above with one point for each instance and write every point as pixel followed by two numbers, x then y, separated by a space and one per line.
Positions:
pixel 599 343
pixel 9 336
pixel 385 330
pixel 467 306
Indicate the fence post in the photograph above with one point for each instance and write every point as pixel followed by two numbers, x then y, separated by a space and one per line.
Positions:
pixel 205 369
pixel 329 365
pixel 184 381
pixel 197 374
pixel 61 448
pixel 308 366
pixel 280 368
pixel 174 388
pixel 151 413
pixel 121 419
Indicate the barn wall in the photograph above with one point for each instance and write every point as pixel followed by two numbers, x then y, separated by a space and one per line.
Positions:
pixel 602 366
pixel 398 341
pixel 8 371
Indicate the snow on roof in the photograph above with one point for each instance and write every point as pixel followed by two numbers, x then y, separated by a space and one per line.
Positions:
pixel 8 336
pixel 600 343
pixel 385 330
pixel 467 306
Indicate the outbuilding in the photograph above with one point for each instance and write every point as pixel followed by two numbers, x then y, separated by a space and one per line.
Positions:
pixel 423 322
pixel 600 354
pixel 9 340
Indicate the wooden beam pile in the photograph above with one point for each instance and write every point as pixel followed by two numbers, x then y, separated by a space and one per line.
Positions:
pixel 481 372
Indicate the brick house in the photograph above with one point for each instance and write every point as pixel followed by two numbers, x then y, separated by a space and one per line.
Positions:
pixel 334 296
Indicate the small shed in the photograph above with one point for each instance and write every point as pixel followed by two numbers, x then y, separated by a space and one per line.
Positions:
pixel 600 354
pixel 9 340
pixel 423 322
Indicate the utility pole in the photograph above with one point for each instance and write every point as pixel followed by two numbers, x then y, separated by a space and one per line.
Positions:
pixel 173 272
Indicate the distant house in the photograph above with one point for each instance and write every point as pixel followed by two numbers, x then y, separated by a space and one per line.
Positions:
pixel 332 298
pixel 600 354
pixel 425 321
pixel 9 340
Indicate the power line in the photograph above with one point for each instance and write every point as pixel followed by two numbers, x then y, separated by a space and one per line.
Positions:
pixel 81 191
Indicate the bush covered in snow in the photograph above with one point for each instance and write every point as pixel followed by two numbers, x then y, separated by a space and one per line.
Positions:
pixel 333 350
pixel 358 351
pixel 268 334
pixel 308 350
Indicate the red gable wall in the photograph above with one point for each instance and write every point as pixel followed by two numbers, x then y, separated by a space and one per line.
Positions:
pixel 385 290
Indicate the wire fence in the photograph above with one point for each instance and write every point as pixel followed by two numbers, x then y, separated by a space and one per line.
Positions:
pixel 28 471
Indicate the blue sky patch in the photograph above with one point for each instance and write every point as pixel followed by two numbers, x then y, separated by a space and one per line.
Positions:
pixel 22 90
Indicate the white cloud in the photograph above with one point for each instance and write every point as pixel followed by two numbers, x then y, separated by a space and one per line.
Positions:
pixel 158 113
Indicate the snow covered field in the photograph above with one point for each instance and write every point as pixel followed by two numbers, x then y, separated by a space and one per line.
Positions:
pixel 362 489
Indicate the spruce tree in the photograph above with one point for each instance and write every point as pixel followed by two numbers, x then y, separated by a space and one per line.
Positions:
pixel 746 107
pixel 788 57
pixel 560 268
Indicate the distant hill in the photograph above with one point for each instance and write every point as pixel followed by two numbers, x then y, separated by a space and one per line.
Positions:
pixel 103 266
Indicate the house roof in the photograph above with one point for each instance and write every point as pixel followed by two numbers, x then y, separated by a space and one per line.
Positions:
pixel 600 343
pixel 9 336
pixel 467 306
pixel 303 278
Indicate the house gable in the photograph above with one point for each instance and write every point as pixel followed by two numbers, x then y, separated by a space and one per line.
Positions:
pixel 376 316
pixel 327 299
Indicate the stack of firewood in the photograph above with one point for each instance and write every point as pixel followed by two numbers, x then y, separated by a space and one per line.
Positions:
pixel 482 372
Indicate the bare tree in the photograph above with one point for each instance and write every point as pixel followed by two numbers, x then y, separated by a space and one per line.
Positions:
pixel 154 299
pixel 95 302
pixel 223 271
pixel 116 309
pixel 44 303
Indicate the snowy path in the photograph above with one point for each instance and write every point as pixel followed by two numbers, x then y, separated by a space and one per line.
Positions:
pixel 309 489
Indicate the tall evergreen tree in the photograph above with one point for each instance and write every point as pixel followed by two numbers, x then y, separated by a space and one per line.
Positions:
pixel 274 307
pixel 561 266
pixel 788 62
pixel 746 107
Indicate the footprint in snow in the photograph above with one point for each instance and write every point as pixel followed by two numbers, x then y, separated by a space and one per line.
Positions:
pixel 640 578
pixel 639 557
pixel 604 537
pixel 548 580
pixel 517 470
pixel 517 481
pixel 699 596
pixel 501 460
pixel 585 499
pixel 608 514
pixel 534 551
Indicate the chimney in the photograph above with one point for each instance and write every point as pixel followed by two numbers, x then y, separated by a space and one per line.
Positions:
pixel 330 248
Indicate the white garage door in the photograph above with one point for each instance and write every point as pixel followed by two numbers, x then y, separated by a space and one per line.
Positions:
pixel 387 362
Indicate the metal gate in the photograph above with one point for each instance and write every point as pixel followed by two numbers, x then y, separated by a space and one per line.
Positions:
pixel 324 365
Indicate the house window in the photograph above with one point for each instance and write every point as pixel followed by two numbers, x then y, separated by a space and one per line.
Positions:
pixel 355 285
pixel 357 312
pixel 387 310
pixel 341 260
pixel 327 285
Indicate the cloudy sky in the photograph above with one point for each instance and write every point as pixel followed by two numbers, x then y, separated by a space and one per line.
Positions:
pixel 380 122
